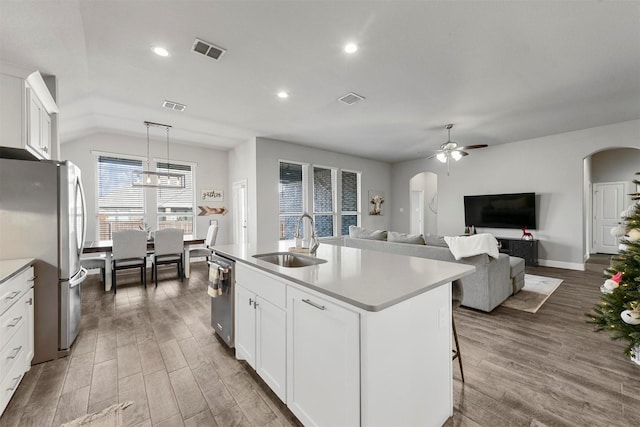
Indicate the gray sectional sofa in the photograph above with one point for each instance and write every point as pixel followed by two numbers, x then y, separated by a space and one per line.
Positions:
pixel 493 281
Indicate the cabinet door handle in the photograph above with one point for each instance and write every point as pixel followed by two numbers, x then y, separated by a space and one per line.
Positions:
pixel 32 279
pixel 255 304
pixel 250 301
pixel 13 295
pixel 14 322
pixel 16 380
pixel 16 351
pixel 30 301
pixel 313 304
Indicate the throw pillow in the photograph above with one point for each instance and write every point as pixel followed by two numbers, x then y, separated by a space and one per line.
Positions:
pixel 414 239
pixel 366 233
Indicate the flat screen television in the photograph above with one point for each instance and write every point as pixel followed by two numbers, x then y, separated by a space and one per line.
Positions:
pixel 501 210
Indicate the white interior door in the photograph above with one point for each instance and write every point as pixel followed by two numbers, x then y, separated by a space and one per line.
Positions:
pixel 240 214
pixel 417 212
pixel 608 202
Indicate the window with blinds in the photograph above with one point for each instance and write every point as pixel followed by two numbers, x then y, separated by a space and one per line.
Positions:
pixel 324 211
pixel 120 206
pixel 175 205
pixel 292 193
pixel 350 212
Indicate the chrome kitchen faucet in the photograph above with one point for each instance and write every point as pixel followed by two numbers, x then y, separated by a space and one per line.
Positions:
pixel 313 246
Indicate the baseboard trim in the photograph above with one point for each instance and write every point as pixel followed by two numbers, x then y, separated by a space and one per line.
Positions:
pixel 561 264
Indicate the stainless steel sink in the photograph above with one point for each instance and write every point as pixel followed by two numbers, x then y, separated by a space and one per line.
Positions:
pixel 288 259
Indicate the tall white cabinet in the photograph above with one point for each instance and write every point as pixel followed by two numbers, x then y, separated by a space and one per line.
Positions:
pixel 16 327
pixel 28 113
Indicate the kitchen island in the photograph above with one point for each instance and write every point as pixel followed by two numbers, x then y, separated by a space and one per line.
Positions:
pixel 361 339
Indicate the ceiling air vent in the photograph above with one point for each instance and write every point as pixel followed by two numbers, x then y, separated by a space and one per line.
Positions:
pixel 207 49
pixel 174 106
pixel 351 98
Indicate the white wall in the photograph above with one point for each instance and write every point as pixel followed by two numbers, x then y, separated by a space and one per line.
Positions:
pixel 427 182
pixel 242 167
pixel 211 172
pixel 375 176
pixel 551 166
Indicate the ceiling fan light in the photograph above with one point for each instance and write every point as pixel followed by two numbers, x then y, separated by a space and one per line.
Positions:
pixel 442 157
pixel 456 155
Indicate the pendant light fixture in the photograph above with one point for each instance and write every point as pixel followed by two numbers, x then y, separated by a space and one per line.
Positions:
pixel 148 178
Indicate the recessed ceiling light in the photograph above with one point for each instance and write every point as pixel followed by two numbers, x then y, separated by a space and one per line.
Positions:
pixel 283 94
pixel 160 51
pixel 351 48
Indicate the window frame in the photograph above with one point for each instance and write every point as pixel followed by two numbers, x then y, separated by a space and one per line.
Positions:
pixel 305 195
pixel 358 212
pixel 334 198
pixel 97 155
pixel 193 167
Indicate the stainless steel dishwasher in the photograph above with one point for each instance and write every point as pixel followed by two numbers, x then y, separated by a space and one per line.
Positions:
pixel 221 290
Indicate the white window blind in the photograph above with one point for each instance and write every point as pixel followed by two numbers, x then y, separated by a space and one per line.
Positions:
pixel 120 206
pixel 175 205
pixel 350 214
pixel 324 206
pixel 292 193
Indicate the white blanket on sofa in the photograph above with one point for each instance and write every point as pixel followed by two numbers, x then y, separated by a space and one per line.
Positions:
pixel 466 246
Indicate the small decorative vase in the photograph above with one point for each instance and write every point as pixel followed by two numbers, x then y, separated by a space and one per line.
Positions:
pixel 635 354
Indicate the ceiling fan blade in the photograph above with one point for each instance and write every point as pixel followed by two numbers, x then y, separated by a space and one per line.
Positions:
pixel 431 156
pixel 464 153
pixel 472 147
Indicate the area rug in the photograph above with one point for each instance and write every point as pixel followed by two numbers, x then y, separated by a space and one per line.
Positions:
pixel 535 292
pixel 108 417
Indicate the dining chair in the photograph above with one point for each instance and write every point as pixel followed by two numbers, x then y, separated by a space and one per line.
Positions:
pixel 129 251
pixel 209 241
pixel 91 262
pixel 168 249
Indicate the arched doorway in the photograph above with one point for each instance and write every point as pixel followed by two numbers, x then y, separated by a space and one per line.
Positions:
pixel 608 179
pixel 423 204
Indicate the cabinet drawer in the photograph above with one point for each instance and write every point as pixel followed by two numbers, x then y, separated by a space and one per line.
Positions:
pixel 261 284
pixel 14 288
pixel 13 353
pixel 9 384
pixel 10 322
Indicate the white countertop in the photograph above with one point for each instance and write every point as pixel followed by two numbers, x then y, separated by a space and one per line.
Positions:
pixel 9 267
pixel 369 280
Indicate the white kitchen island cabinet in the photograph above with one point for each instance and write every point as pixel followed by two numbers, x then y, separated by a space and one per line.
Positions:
pixel 260 320
pixel 323 387
pixel 368 334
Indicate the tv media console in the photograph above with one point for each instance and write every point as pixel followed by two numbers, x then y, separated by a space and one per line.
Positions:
pixel 527 249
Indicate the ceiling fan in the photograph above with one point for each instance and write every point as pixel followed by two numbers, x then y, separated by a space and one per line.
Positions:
pixel 450 150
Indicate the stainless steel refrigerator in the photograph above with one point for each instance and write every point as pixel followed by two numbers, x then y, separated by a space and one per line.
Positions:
pixel 42 215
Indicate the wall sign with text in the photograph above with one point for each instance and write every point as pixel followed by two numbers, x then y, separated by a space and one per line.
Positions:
pixel 212 195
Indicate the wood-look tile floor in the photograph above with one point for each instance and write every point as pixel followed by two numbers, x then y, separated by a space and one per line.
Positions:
pixel 155 347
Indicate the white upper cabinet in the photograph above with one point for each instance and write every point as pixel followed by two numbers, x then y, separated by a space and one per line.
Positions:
pixel 26 113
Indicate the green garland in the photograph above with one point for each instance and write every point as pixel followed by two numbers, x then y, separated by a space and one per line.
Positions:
pixel 606 315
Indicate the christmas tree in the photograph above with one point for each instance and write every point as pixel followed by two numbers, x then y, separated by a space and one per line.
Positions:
pixel 619 309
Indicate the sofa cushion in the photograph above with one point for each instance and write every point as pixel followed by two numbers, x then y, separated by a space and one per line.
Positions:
pixel 415 239
pixel 366 233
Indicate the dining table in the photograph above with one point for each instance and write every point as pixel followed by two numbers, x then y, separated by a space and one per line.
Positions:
pixel 106 247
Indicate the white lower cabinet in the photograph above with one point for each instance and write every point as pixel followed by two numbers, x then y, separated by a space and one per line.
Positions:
pixel 323 387
pixel 16 332
pixel 261 326
pixel 27 301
